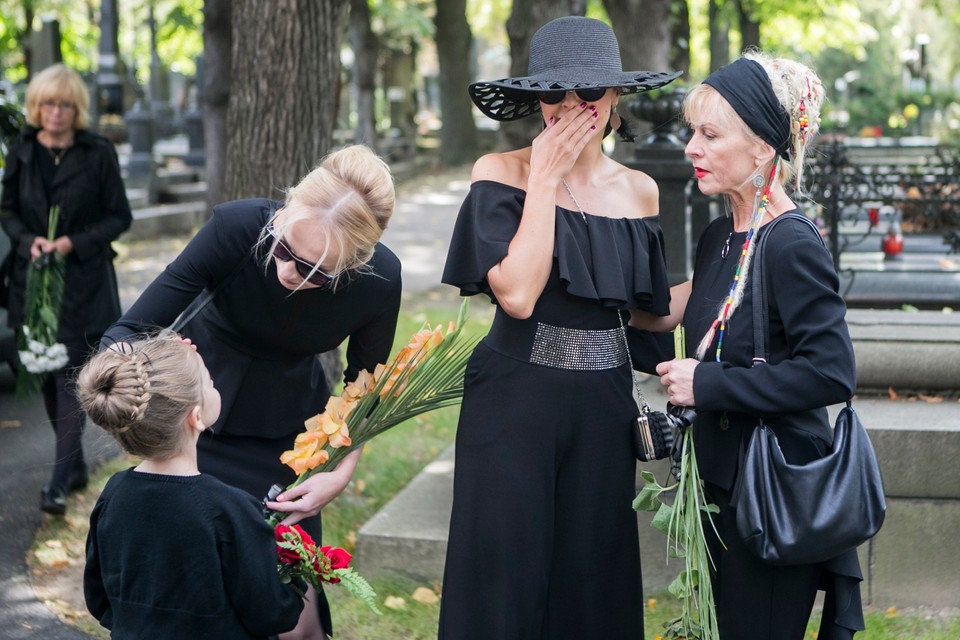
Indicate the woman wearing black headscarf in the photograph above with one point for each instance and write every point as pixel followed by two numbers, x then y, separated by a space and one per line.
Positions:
pixel 750 123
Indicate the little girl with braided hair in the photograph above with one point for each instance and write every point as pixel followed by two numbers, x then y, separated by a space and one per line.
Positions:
pixel 173 553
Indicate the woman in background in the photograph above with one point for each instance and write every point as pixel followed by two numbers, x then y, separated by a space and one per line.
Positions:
pixel 56 161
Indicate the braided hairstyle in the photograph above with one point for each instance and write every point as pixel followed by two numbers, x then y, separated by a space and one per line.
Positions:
pixel 801 93
pixel 141 393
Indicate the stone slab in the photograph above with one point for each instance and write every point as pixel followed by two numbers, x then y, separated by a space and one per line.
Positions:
pixel 916 443
pixel 914 559
pixel 906 350
pixel 408 536
pixel 166 219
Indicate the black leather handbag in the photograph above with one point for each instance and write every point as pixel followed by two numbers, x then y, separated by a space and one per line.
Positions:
pixel 801 514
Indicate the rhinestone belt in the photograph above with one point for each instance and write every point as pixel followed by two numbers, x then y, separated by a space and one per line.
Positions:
pixel 578 349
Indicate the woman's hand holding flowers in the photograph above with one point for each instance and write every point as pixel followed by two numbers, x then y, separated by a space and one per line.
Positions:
pixel 313 494
pixel 677 377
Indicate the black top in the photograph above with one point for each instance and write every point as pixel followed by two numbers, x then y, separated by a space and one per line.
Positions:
pixel 93 212
pixel 259 339
pixel 615 261
pixel 183 557
pixel 811 360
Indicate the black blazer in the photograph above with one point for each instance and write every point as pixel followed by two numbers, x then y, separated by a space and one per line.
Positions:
pixel 93 212
pixel 257 338
pixel 811 361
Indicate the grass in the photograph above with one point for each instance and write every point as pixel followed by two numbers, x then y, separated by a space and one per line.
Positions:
pixel 389 463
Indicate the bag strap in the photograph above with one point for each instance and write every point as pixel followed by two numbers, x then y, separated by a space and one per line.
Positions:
pixel 761 329
pixel 637 394
pixel 200 302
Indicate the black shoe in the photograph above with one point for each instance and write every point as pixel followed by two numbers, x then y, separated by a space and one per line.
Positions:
pixel 53 501
pixel 77 479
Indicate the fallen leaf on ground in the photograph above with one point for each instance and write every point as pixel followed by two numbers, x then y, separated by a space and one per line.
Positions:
pixel 10 424
pixel 930 399
pixel 893 612
pixel 893 394
pixel 425 596
pixel 395 602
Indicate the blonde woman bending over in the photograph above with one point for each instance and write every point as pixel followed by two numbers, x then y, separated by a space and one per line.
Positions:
pixel 289 280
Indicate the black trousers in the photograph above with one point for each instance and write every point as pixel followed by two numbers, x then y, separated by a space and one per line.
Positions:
pixel 755 600
pixel 67 419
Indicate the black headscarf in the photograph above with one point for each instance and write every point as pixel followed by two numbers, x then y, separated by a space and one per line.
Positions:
pixel 746 86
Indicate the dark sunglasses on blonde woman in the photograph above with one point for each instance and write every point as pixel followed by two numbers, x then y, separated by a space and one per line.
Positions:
pixel 284 253
pixel 587 95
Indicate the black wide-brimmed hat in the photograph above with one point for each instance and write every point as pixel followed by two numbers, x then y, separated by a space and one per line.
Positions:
pixel 568 54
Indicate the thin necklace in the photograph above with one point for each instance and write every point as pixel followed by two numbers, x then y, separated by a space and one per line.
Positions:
pixel 57 154
pixel 574 198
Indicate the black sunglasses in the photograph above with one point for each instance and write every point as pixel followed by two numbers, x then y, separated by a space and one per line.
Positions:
pixel 305 268
pixel 587 95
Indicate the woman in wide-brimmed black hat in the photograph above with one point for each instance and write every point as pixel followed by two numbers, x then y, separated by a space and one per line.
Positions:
pixel 563 239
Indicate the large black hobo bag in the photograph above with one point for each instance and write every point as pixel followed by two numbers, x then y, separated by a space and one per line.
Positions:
pixel 799 514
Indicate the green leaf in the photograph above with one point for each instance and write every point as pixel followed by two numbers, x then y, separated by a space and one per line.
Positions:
pixel 680 587
pixel 661 521
pixel 649 497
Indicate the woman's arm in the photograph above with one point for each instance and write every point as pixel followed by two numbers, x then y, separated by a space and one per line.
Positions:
pixel 202 262
pixel 518 280
pixel 114 217
pixel 679 294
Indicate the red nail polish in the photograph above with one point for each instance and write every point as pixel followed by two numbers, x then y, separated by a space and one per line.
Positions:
pixel 593 126
pixel 583 105
pixel 595 114
pixel 592 107
pixel 552 119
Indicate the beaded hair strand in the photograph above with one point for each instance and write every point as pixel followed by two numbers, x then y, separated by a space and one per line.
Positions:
pixel 738 286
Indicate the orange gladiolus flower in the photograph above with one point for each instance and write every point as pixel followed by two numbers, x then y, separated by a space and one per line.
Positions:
pixel 307 453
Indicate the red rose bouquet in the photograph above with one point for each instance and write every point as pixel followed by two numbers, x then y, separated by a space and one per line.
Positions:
pixel 299 560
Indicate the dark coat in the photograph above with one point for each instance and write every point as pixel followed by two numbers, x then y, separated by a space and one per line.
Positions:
pixel 93 212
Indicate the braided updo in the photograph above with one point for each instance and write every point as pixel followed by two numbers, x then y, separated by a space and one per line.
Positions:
pixel 141 394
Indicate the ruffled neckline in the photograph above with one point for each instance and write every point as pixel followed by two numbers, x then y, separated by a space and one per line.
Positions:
pixel 617 262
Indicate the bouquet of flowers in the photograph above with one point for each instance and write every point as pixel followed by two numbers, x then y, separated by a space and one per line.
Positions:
pixel 682 522
pixel 426 374
pixel 37 347
pixel 299 558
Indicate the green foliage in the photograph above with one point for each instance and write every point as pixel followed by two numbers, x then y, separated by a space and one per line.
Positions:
pixel 399 23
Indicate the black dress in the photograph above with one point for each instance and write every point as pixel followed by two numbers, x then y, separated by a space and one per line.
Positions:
pixel 543 540
pixel 811 365
pixel 259 340
pixel 176 557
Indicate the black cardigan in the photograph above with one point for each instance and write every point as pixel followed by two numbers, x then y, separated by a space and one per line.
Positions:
pixel 811 361
pixel 183 557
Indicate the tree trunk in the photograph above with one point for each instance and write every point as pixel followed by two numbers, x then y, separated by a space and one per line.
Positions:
pixel 749 28
pixel 719 35
pixel 285 70
pixel 458 135
pixel 366 48
pixel 680 37
pixel 525 18
pixel 643 31
pixel 215 93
